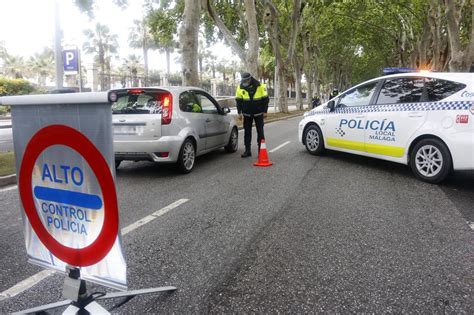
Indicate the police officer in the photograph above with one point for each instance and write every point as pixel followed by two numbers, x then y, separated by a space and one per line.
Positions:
pixel 334 93
pixel 252 102
pixel 316 101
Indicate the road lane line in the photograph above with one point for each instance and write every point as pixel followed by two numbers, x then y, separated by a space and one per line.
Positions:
pixel 152 216
pixel 279 147
pixel 25 284
pixel 8 188
pixel 35 279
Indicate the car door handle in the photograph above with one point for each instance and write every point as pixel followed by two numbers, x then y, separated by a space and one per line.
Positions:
pixel 415 114
pixel 208 120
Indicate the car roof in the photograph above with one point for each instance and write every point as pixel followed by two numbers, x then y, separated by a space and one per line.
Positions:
pixel 463 77
pixel 172 89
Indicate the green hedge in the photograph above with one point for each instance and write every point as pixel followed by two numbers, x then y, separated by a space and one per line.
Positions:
pixel 13 87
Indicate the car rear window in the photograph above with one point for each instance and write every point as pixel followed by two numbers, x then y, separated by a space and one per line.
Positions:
pixel 137 104
pixel 401 90
pixel 438 89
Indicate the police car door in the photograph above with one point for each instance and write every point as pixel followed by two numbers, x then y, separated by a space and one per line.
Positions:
pixel 396 115
pixel 345 126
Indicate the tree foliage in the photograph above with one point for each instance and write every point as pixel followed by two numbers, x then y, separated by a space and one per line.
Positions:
pixel 10 87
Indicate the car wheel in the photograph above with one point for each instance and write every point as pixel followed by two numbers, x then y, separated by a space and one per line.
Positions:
pixel 313 140
pixel 431 161
pixel 117 163
pixel 233 144
pixel 187 157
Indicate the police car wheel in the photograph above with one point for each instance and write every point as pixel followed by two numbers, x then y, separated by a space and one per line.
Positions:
pixel 233 144
pixel 431 161
pixel 187 157
pixel 313 140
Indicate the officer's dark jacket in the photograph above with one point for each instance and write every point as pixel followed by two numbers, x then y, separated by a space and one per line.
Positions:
pixel 253 99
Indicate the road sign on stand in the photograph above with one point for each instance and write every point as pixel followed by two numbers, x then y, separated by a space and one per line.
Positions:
pixel 66 167
pixel 64 155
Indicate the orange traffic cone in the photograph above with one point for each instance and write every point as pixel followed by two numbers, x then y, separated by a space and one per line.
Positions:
pixel 263 156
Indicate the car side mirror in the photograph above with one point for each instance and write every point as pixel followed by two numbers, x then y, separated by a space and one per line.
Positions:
pixel 331 106
pixel 226 110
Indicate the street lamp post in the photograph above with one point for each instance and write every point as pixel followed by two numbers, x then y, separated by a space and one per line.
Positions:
pixel 57 47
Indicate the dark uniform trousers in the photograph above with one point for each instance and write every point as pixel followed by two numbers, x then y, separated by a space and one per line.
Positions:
pixel 248 120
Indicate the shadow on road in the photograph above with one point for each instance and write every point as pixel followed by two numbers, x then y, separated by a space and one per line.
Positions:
pixel 146 169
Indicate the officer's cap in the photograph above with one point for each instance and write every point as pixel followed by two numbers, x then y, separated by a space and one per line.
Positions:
pixel 245 76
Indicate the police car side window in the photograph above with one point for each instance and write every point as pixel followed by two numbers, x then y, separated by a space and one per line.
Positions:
pixel 359 96
pixel 401 90
pixel 438 89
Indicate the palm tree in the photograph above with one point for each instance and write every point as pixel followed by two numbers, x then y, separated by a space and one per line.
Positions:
pixel 103 45
pixel 140 37
pixel 41 65
pixel 14 66
pixel 131 66
pixel 3 50
pixel 163 27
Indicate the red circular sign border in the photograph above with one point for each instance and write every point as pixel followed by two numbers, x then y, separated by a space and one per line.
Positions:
pixel 70 137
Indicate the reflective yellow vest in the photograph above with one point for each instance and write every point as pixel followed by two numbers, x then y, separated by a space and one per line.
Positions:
pixel 260 93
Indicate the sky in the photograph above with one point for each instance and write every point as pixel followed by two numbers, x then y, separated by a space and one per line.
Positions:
pixel 27 26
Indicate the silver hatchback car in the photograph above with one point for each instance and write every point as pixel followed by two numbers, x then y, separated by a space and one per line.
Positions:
pixel 169 125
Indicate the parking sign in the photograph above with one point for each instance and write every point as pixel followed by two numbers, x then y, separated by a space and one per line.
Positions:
pixel 70 59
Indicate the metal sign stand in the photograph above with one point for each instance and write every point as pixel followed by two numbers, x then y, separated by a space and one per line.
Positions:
pixel 80 302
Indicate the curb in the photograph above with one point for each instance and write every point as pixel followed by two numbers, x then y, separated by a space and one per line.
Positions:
pixel 7 180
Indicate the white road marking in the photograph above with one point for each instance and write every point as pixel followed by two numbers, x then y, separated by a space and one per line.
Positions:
pixel 35 279
pixel 471 225
pixel 9 188
pixel 279 147
pixel 25 284
pixel 153 216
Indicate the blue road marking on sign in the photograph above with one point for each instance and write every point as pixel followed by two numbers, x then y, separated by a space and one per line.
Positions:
pixel 68 197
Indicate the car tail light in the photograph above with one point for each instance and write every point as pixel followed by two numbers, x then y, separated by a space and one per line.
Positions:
pixel 162 154
pixel 167 111
pixel 136 91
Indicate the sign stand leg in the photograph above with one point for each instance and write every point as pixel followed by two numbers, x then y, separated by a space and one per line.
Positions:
pixel 80 302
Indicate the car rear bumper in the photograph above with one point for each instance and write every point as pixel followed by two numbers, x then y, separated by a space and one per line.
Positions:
pixel 148 149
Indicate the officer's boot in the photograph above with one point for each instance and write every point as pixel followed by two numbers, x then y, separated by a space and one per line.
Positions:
pixel 247 152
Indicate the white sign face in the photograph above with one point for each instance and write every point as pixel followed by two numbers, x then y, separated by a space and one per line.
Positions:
pixel 67 191
pixel 67 197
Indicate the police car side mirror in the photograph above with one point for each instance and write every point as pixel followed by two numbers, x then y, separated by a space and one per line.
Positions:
pixel 331 106
pixel 226 110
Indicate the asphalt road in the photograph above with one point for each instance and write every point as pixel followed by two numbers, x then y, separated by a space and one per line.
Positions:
pixel 6 140
pixel 336 233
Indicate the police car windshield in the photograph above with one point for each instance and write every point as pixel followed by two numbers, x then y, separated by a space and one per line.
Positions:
pixel 136 104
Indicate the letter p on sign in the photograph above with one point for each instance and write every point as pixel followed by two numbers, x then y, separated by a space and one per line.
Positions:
pixel 70 58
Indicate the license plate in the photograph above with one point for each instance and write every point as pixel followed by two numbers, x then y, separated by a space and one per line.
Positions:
pixel 125 130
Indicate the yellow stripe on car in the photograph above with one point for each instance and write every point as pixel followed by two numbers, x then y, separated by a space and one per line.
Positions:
pixel 381 149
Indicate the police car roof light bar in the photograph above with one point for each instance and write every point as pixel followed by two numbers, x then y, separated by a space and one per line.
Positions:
pixel 398 70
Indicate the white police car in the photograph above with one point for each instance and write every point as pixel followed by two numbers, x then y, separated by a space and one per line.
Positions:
pixel 425 120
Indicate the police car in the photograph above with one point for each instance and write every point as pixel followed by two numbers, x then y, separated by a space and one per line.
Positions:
pixel 425 120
